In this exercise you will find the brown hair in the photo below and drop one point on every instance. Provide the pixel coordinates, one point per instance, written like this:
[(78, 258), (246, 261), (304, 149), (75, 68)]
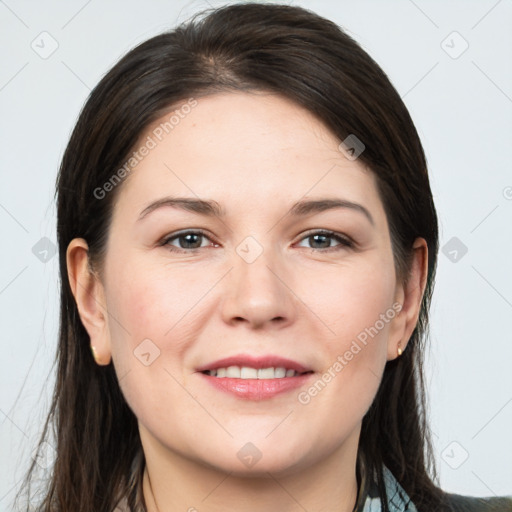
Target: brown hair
[(242, 47)]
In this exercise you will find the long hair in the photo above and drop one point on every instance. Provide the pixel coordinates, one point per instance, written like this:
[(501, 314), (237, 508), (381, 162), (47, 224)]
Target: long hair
[(308, 59)]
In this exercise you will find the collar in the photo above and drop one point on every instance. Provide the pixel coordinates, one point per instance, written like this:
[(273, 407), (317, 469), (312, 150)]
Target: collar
[(368, 499)]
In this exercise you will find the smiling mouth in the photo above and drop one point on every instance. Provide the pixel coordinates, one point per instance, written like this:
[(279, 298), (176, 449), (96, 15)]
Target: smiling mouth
[(244, 383), (247, 373)]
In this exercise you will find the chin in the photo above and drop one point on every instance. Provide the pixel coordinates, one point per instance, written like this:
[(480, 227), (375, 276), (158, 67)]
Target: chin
[(253, 459)]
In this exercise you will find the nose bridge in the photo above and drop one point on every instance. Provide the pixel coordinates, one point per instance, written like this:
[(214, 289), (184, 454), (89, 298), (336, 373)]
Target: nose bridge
[(256, 291)]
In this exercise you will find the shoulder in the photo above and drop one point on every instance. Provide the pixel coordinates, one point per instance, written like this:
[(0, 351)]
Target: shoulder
[(460, 503), (452, 502)]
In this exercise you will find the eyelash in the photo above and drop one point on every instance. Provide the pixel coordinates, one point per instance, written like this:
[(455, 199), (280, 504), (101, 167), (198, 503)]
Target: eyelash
[(344, 241)]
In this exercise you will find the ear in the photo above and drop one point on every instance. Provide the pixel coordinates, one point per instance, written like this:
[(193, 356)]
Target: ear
[(410, 296), (90, 299)]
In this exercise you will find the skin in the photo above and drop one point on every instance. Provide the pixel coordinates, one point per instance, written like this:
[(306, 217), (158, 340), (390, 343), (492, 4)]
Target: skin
[(255, 154)]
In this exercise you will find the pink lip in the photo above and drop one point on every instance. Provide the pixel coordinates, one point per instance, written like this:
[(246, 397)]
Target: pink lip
[(269, 361), (256, 389)]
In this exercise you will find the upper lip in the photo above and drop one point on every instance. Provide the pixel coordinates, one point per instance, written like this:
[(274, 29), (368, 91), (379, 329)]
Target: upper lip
[(267, 361)]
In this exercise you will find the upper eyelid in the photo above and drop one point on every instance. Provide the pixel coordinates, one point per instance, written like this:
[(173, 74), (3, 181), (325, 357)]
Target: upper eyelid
[(193, 231)]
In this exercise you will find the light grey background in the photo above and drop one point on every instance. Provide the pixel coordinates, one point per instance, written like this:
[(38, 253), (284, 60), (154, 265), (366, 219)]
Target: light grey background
[(462, 106)]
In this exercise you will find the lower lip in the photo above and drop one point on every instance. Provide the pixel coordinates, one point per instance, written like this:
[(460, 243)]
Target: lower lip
[(257, 389)]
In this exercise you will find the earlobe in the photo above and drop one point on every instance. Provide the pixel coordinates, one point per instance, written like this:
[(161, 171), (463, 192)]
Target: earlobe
[(410, 296), (89, 296)]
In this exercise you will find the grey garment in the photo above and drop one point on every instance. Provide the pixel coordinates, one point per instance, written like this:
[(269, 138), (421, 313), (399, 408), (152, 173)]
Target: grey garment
[(398, 500), (468, 504)]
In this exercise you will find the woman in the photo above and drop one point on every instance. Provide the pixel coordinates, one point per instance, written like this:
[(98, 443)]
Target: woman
[(211, 356)]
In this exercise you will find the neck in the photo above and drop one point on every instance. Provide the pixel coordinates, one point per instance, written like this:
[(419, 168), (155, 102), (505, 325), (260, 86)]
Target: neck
[(176, 483)]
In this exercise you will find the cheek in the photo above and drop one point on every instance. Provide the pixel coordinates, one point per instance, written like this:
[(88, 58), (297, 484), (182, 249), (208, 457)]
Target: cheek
[(148, 301), (154, 315), (142, 311), (357, 306), (352, 299)]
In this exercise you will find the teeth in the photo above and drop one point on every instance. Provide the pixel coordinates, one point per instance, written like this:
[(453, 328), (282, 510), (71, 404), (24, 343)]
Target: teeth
[(233, 372), (248, 373), (245, 372), (269, 373)]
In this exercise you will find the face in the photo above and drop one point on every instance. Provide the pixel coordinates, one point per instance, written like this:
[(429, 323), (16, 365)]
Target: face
[(256, 275)]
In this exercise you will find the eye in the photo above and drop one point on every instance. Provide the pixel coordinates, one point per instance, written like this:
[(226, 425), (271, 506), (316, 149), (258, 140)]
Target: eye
[(323, 240), (188, 241)]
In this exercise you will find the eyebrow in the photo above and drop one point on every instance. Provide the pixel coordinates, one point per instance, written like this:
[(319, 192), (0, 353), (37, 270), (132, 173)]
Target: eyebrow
[(213, 209)]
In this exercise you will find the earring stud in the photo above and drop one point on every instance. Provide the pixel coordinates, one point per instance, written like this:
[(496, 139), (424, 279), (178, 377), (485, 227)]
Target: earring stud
[(399, 350)]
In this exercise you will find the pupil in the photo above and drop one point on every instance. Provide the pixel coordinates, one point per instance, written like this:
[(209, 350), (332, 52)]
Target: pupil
[(188, 241), (325, 237)]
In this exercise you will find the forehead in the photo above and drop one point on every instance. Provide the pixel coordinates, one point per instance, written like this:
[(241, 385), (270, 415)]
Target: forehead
[(248, 150)]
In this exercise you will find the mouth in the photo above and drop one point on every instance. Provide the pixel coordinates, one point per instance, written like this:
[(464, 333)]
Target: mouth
[(255, 378), (245, 366), (246, 373)]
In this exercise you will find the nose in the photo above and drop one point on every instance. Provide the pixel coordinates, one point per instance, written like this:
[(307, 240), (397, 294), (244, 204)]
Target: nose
[(258, 293)]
